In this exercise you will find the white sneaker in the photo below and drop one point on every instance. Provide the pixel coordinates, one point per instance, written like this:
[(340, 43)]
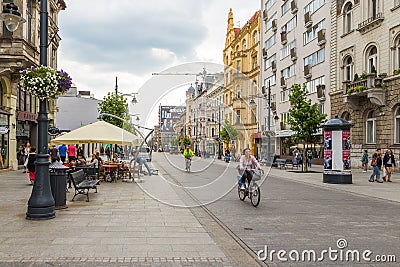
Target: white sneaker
[(364, 171)]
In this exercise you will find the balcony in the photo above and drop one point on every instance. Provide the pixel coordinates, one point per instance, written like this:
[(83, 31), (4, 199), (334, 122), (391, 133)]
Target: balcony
[(369, 87), (321, 92), (274, 26), (265, 14), (273, 65), (321, 37), (283, 38), (370, 23), (307, 20), (264, 52), (293, 7), (307, 72), (293, 54), (283, 82)]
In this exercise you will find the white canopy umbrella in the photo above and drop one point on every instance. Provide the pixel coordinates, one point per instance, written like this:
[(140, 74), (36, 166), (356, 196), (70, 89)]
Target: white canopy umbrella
[(98, 132)]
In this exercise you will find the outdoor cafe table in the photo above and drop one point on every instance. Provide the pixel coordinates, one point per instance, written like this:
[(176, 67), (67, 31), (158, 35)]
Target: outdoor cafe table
[(112, 167)]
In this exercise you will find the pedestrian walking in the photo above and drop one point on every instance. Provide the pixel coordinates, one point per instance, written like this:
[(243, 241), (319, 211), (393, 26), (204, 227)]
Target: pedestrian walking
[(63, 152), (71, 153), (26, 153), (388, 164), (54, 154), (364, 160), (31, 166), (376, 163), (309, 157)]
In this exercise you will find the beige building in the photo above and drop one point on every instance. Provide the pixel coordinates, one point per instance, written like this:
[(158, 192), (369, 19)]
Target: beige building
[(295, 37), (241, 70), (19, 50), (365, 70)]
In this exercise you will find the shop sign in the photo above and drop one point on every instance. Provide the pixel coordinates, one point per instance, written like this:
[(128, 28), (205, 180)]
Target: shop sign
[(3, 129), (26, 116), (53, 131), (22, 132)]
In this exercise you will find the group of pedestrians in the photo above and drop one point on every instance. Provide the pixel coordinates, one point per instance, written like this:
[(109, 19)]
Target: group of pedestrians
[(377, 163)]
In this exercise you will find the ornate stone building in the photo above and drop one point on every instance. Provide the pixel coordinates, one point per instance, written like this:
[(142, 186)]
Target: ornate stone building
[(365, 72), (19, 50), (242, 69)]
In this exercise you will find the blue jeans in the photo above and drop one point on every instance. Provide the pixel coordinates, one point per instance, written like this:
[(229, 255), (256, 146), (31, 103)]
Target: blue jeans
[(376, 172), (142, 161)]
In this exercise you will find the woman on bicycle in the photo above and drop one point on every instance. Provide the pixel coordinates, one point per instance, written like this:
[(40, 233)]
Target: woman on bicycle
[(247, 162)]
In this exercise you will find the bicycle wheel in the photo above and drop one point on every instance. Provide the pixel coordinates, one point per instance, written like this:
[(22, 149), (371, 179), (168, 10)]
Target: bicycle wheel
[(242, 194), (255, 195)]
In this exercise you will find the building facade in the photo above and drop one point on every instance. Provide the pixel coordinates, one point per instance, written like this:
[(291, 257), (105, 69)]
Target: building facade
[(241, 71), (365, 84), (19, 50), (295, 37)]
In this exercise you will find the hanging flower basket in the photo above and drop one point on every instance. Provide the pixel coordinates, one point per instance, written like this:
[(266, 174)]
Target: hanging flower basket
[(45, 82)]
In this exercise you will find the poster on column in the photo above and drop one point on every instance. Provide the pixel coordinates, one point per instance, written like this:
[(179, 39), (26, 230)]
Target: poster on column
[(328, 150), (346, 145)]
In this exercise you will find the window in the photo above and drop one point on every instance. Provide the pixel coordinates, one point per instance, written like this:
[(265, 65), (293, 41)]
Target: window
[(285, 95), (371, 127), (238, 91), (285, 51), (373, 8), (255, 38), (312, 85), (372, 59), (268, 61), (255, 62), (397, 126), (268, 25), (292, 23), (29, 12), (396, 51), (271, 80), (270, 42), (237, 116), (289, 71), (269, 4), (315, 58), (312, 33), (254, 87), (348, 68), (285, 7), (347, 18), (285, 117), (313, 6), (238, 66)]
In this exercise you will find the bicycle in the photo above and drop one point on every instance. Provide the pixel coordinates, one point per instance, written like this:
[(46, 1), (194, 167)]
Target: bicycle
[(188, 162), (252, 190)]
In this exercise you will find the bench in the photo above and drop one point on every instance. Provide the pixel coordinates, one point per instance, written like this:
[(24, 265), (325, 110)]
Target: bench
[(281, 163), (81, 184)]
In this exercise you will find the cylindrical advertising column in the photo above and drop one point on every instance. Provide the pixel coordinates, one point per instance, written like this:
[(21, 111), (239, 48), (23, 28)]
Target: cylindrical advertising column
[(337, 167)]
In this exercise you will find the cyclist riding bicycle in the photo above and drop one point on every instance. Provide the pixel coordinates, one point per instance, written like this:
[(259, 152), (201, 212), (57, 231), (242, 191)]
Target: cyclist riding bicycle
[(247, 162), (188, 153)]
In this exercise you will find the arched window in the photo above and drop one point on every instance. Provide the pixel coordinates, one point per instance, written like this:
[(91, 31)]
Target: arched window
[(373, 8), (348, 68), (347, 17), (371, 127), (396, 55), (372, 59), (397, 126)]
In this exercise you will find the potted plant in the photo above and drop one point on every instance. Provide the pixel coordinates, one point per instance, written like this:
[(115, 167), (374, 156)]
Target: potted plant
[(45, 82), (356, 78), (396, 72)]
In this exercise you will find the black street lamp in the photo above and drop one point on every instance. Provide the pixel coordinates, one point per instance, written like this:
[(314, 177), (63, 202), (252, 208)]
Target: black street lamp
[(133, 95), (41, 202), (11, 16)]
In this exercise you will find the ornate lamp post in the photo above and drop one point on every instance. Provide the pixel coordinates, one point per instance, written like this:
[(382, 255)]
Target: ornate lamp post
[(41, 202), (219, 132), (11, 16)]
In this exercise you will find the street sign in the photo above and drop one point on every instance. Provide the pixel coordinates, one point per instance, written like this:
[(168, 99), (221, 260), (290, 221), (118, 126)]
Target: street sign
[(3, 130), (53, 131)]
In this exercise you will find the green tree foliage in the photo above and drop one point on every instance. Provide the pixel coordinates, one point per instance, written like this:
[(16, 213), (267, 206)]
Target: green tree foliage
[(304, 118), (228, 133), (116, 105), (186, 141)]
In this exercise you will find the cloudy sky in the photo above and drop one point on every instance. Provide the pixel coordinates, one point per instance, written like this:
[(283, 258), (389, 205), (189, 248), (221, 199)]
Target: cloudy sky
[(131, 39)]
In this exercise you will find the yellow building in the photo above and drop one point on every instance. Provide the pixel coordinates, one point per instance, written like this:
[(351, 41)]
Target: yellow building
[(19, 50), (241, 72)]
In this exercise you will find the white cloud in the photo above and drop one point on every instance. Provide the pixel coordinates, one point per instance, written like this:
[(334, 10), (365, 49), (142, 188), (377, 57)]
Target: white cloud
[(131, 39)]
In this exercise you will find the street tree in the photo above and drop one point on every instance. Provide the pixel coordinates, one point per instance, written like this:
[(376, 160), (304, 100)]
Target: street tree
[(228, 133), (116, 105), (304, 117), (186, 141)]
